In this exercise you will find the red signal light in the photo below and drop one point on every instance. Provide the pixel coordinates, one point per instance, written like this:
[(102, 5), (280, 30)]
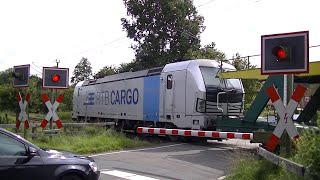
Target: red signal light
[(55, 78), (281, 53)]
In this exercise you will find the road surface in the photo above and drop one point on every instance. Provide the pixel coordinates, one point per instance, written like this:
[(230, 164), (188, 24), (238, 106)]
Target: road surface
[(174, 161)]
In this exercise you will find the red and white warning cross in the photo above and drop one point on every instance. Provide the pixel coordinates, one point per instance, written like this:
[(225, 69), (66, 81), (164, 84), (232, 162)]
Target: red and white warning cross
[(285, 114), (52, 111), (23, 114)]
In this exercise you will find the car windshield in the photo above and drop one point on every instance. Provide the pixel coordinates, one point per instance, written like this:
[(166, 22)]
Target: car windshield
[(210, 78)]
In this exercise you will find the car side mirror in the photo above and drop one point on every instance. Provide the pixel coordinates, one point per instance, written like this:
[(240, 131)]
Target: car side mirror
[(32, 152)]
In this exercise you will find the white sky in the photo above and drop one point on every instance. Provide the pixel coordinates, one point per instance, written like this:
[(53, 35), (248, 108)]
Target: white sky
[(37, 32)]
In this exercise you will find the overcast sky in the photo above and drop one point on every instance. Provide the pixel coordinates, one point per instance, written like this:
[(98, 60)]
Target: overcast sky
[(37, 32)]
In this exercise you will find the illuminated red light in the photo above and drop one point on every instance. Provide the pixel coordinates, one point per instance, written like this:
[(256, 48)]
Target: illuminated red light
[(279, 52), (55, 78)]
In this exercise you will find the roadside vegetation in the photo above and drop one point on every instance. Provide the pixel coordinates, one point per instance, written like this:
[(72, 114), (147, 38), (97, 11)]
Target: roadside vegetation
[(306, 153), (88, 141)]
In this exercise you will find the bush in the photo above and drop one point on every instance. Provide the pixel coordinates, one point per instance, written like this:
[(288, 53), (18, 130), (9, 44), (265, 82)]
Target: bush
[(65, 116), (308, 152)]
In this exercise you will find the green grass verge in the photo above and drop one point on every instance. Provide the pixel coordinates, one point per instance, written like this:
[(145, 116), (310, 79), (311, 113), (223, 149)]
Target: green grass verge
[(251, 168), (90, 141)]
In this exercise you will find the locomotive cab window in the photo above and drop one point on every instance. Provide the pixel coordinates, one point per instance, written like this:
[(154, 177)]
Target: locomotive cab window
[(169, 81), (210, 78)]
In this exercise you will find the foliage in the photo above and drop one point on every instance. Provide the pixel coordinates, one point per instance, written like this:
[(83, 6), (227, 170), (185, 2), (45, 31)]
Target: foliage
[(66, 104), (163, 30), (251, 86), (35, 103), (6, 76), (105, 71), (251, 169), (308, 152), (65, 117), (89, 141), (207, 52), (8, 100), (82, 71)]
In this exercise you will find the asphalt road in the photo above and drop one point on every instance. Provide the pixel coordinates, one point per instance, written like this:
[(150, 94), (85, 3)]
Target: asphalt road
[(174, 161)]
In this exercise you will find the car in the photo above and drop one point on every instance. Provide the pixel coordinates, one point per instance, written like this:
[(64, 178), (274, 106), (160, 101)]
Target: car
[(22, 160)]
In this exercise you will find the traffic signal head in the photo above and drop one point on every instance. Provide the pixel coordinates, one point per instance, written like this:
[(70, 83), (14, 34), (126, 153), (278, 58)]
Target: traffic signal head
[(285, 53), (55, 78), (20, 75)]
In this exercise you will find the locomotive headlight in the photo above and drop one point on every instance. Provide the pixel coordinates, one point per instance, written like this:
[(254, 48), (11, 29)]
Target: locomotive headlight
[(202, 105)]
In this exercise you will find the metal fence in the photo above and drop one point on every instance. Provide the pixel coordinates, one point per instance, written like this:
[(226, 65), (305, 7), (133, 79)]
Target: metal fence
[(287, 164)]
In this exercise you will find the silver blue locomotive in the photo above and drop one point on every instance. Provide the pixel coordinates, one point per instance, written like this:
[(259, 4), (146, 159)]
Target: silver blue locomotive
[(186, 95)]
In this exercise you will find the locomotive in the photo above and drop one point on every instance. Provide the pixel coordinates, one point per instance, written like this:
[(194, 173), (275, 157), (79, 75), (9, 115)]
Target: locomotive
[(184, 95)]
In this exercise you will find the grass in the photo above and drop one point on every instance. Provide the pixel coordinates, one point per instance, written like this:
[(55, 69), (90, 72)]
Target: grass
[(92, 140), (249, 167)]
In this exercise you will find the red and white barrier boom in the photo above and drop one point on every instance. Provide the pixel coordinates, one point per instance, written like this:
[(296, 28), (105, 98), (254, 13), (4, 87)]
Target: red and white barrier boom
[(285, 114), (195, 133), (23, 114), (52, 111)]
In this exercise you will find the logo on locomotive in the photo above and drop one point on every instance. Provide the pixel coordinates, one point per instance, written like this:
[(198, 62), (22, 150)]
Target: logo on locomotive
[(114, 97)]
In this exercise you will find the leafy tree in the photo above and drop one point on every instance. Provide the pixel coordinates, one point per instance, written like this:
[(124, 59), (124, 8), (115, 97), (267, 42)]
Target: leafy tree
[(8, 100), (6, 76), (66, 105), (207, 52), (35, 103), (163, 31), (82, 71), (251, 86), (105, 71)]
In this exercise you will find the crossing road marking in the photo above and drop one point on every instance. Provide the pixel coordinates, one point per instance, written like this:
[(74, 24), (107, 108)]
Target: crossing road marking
[(125, 175)]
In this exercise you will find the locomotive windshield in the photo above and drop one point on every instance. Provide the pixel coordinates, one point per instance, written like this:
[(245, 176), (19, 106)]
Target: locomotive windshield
[(209, 75)]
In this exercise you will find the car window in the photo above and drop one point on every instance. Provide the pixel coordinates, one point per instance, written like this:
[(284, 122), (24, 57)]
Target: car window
[(11, 147)]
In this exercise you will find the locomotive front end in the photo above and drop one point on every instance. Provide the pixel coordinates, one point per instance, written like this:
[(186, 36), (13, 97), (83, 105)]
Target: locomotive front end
[(223, 98)]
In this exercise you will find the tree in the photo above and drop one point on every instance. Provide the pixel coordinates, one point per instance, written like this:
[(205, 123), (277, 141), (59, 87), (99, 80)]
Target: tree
[(6, 76), (207, 52), (82, 71), (105, 71), (251, 86), (163, 30)]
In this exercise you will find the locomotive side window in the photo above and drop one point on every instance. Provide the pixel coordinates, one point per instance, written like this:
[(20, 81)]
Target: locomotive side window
[(169, 81)]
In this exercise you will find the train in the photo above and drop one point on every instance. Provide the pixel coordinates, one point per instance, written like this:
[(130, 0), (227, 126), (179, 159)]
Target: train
[(185, 95)]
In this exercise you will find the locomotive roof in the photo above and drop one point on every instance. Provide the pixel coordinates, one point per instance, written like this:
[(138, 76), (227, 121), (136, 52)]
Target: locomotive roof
[(155, 71)]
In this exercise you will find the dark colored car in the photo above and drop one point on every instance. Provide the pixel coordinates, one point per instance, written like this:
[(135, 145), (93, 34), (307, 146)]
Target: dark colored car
[(21, 160)]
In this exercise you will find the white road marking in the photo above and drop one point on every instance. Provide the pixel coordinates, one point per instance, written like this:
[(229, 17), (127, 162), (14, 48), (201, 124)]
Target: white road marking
[(134, 150), (222, 177), (125, 175)]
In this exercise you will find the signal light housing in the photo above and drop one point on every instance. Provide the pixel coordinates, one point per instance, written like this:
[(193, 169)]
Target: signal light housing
[(20, 75), (286, 53), (55, 78)]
